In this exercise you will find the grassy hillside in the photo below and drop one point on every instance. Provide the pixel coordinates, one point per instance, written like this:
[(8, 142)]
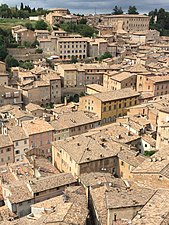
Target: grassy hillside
[(8, 23)]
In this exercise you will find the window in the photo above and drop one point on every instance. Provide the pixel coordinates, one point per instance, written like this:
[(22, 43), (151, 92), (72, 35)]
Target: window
[(37, 194), (122, 163), (104, 109), (17, 152), (109, 107), (114, 106), (8, 158), (16, 143), (145, 145), (8, 150)]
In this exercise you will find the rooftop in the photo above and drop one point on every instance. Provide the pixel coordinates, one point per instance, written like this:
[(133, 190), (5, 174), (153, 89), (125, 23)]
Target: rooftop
[(126, 15), (116, 95), (46, 183), (17, 133), (158, 79), (73, 119), (19, 192), (70, 208), (105, 198), (96, 87), (90, 147), (5, 141), (156, 211), (32, 107), (122, 76), (95, 179), (36, 126)]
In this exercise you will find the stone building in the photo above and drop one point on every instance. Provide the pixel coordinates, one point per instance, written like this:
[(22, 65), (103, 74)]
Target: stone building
[(109, 105), (6, 149), (129, 23), (10, 96), (40, 135)]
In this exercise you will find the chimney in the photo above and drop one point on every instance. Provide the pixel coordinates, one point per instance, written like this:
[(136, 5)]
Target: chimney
[(65, 100)]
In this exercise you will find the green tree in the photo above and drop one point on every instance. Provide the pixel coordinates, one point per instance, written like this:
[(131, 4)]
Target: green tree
[(159, 21), (39, 50), (75, 98), (5, 11), (26, 65), (132, 10), (21, 7), (35, 44), (82, 29), (106, 55), (117, 10), (11, 61), (3, 52), (74, 59), (83, 21), (41, 25), (29, 26)]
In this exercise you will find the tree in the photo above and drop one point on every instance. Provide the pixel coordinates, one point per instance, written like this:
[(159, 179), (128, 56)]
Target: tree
[(83, 21), (39, 50), (29, 26), (117, 10), (82, 29), (5, 11), (74, 59), (35, 44), (26, 65), (159, 21), (132, 10), (21, 7), (11, 61), (3, 52), (41, 25), (105, 56)]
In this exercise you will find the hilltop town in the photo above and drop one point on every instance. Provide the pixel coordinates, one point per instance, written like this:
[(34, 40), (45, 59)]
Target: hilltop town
[(84, 120)]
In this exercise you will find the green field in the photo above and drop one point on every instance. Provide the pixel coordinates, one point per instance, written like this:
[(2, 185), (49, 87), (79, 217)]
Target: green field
[(8, 23)]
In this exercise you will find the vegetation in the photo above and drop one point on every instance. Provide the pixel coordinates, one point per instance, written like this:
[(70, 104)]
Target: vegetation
[(83, 21), (117, 10), (74, 98), (106, 55), (132, 10), (82, 29), (29, 26), (159, 21), (26, 65), (22, 12), (149, 153), (11, 61), (39, 50), (51, 64), (41, 25), (74, 59), (6, 40)]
